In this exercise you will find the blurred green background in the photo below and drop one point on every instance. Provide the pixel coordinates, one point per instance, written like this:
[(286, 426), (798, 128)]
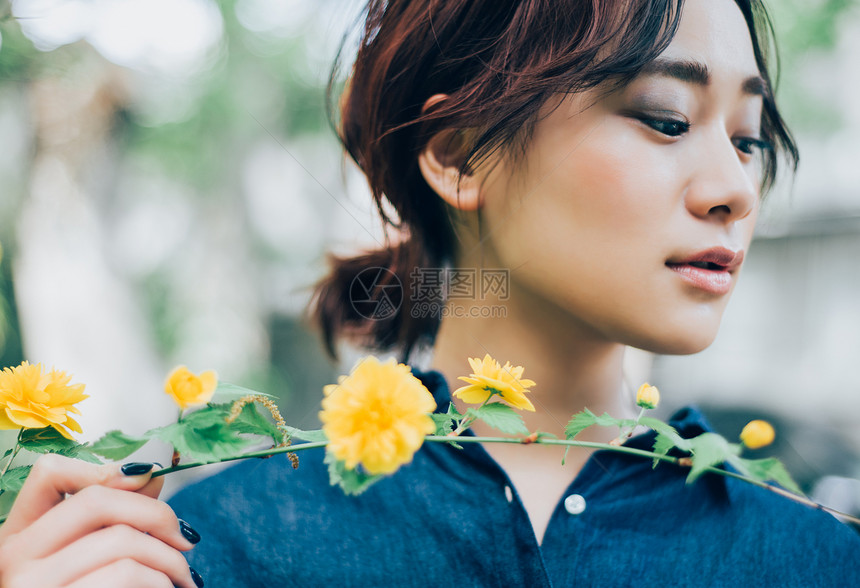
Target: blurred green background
[(169, 186)]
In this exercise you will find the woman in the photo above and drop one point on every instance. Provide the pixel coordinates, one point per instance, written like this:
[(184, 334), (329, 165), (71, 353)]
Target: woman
[(610, 157)]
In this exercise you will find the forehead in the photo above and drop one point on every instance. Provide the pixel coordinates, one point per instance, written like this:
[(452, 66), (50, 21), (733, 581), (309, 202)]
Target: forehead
[(715, 33)]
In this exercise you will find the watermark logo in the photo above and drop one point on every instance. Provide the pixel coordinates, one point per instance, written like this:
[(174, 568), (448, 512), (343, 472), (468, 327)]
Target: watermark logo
[(376, 293), (432, 287)]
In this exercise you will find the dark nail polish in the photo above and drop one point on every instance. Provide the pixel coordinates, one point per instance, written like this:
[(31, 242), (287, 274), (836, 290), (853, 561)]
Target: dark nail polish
[(198, 581), (188, 532), (136, 468)]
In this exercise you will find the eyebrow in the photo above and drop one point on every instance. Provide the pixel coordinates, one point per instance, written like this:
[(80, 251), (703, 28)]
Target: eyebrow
[(696, 72)]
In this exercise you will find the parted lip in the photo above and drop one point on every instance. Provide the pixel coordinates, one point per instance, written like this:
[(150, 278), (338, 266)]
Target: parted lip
[(715, 258)]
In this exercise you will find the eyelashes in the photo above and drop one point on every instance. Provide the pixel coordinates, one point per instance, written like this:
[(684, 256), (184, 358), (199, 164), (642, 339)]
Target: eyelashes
[(667, 126), (674, 127), (750, 145)]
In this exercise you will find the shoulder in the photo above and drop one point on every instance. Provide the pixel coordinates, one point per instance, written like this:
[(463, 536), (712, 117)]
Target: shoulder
[(774, 526)]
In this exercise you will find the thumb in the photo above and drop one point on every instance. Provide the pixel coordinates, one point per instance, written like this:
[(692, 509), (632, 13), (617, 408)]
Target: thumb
[(54, 476)]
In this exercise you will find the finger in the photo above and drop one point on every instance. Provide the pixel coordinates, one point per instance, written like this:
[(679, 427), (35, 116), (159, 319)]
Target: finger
[(126, 573), (53, 476), (93, 508), (115, 544), (153, 487)]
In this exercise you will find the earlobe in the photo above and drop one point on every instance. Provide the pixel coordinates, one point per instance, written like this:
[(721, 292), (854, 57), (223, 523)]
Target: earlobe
[(439, 163)]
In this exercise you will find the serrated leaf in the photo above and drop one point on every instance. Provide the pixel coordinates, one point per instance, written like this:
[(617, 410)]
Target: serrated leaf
[(579, 422), (607, 420), (14, 478), (667, 437), (315, 436), (83, 452), (116, 445), (767, 470), (444, 423), (252, 421), (230, 392), (501, 417), (663, 444), (197, 440), (47, 440), (352, 482), (708, 450)]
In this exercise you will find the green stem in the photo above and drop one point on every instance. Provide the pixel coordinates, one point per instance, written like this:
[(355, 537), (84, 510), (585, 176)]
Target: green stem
[(263, 453), (652, 455), (14, 453)]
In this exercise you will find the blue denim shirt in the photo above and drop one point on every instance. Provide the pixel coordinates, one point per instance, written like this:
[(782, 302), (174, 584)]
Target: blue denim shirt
[(447, 519)]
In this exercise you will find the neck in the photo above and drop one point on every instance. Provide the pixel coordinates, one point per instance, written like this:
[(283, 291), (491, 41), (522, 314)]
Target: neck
[(573, 367)]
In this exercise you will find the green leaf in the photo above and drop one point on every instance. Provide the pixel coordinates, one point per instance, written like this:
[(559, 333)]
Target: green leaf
[(579, 422), (13, 479), (252, 421), (663, 444), (607, 420), (116, 445), (352, 482), (444, 423), (83, 452), (315, 436), (205, 444), (667, 437), (500, 416), (204, 434), (709, 450), (230, 392), (767, 470), (49, 440)]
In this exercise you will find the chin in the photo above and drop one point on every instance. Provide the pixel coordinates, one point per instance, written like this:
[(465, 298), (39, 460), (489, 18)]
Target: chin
[(685, 341)]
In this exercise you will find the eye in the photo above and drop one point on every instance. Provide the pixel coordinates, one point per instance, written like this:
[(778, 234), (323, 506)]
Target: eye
[(667, 126), (750, 145)]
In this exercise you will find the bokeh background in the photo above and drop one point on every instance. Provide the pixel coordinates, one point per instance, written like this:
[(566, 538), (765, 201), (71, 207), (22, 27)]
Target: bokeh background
[(169, 187)]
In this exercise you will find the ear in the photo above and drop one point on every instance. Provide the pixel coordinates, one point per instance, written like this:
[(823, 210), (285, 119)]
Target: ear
[(440, 161)]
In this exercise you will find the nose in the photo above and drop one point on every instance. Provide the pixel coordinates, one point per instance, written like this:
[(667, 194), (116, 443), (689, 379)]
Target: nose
[(722, 188)]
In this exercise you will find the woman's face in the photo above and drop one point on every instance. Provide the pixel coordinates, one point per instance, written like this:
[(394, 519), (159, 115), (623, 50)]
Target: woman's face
[(632, 211)]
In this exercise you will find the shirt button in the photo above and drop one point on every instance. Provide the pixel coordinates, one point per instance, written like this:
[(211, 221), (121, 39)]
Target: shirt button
[(574, 504)]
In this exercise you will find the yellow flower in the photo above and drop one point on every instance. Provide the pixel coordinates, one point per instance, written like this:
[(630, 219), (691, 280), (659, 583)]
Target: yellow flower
[(648, 396), (377, 416), (188, 389), (488, 378), (32, 399), (757, 434)]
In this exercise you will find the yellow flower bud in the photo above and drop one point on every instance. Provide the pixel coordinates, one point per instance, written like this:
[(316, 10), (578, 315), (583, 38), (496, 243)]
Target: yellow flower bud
[(757, 434), (188, 389), (648, 396)]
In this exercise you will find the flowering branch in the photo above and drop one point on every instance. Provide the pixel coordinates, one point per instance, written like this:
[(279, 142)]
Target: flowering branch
[(374, 420)]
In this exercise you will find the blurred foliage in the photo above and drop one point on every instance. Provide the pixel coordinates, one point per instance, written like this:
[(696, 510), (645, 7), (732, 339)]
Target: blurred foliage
[(807, 35), (253, 86)]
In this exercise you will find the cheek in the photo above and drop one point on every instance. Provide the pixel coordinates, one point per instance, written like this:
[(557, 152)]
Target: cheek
[(611, 193)]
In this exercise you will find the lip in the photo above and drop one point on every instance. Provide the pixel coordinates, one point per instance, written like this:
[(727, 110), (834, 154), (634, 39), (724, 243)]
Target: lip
[(714, 279)]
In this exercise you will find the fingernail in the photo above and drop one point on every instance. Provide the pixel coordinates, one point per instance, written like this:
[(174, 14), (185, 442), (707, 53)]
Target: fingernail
[(136, 468), (188, 532), (198, 581)]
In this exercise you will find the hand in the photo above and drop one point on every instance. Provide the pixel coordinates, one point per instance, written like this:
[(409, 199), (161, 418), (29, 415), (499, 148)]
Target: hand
[(111, 531)]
